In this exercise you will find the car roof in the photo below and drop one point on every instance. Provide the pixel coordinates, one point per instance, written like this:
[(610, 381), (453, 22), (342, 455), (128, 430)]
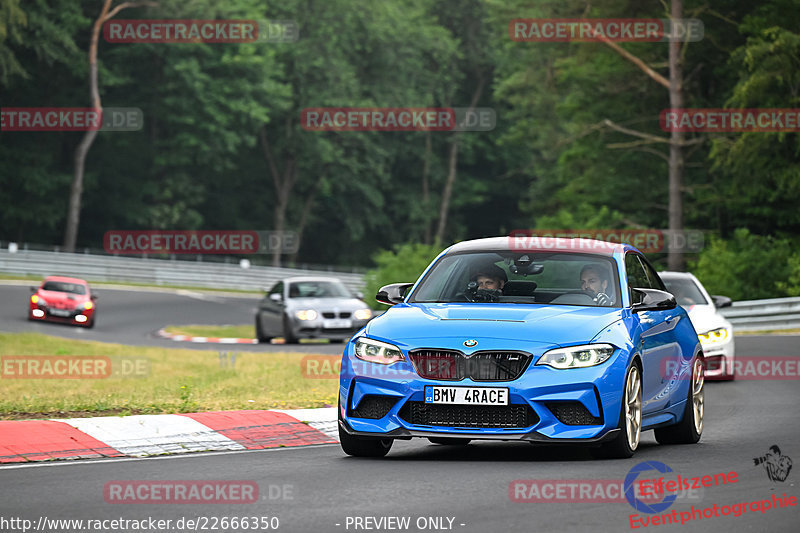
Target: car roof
[(310, 278), (525, 243), (65, 279)]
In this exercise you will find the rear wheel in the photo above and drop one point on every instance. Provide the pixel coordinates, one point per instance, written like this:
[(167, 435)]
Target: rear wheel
[(449, 441), (363, 446), (689, 429), (630, 420)]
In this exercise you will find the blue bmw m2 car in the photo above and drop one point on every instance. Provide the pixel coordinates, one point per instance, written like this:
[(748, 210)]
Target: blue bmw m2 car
[(546, 340)]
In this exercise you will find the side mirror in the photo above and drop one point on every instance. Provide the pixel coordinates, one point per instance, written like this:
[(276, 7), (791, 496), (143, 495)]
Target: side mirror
[(34, 289), (651, 300), (277, 298), (393, 294), (721, 301), (359, 295), (93, 297)]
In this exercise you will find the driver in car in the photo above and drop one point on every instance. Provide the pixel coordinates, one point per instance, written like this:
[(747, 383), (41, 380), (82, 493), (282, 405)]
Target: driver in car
[(486, 285), (491, 278), (594, 282)]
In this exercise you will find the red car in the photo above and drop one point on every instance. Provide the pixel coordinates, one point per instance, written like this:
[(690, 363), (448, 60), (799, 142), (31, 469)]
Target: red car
[(66, 300)]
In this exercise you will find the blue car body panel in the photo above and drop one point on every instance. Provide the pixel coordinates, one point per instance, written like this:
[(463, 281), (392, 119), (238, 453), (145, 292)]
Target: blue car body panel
[(664, 342)]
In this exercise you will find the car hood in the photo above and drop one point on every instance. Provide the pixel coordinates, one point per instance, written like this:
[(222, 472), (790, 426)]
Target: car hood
[(415, 324), (706, 317), (65, 300)]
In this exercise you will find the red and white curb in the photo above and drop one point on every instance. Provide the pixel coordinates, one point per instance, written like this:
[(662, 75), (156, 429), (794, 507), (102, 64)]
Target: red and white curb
[(143, 435), (216, 340)]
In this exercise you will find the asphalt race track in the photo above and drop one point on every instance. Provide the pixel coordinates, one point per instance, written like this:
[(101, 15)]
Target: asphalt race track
[(133, 317), (319, 489)]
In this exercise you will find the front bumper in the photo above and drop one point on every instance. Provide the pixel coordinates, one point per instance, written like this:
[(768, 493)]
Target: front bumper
[(533, 436), (719, 360), (579, 405), (78, 317), (315, 329)]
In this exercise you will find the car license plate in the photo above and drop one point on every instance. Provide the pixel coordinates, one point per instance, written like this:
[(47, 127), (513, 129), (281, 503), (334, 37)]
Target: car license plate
[(60, 312), (337, 323), (466, 395)]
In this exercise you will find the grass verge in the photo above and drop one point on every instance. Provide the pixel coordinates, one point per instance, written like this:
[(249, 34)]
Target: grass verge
[(241, 332), (175, 381)]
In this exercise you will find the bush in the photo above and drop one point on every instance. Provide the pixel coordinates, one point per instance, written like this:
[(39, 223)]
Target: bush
[(746, 267), (405, 263)]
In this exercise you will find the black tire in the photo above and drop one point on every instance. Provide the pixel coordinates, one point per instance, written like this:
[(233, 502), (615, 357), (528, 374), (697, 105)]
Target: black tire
[(620, 447), (260, 332), (687, 431), (449, 441), (288, 337), (90, 325), (363, 446)]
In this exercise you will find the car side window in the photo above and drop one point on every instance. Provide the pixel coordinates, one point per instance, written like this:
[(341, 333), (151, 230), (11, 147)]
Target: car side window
[(655, 280), (277, 289), (637, 277)]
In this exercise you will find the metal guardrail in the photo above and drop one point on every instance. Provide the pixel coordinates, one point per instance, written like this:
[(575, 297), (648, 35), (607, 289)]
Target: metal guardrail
[(158, 271), (759, 315)]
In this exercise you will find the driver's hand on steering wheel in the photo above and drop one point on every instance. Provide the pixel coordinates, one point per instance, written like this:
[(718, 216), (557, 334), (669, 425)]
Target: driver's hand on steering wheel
[(602, 299)]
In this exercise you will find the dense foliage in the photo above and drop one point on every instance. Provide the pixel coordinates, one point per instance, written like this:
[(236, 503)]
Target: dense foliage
[(222, 147)]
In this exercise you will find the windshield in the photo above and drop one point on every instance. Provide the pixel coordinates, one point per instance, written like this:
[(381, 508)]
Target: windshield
[(685, 291), (62, 286), (318, 289), (511, 277)]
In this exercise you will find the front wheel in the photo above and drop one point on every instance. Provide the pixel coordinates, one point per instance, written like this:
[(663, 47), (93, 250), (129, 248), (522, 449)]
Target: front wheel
[(260, 332), (288, 336), (630, 419), (689, 429)]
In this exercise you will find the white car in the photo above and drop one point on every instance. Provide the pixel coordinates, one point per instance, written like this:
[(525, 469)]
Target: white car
[(714, 330)]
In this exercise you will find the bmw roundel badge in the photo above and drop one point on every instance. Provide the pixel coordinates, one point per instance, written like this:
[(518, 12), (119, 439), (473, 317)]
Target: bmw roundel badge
[(470, 343)]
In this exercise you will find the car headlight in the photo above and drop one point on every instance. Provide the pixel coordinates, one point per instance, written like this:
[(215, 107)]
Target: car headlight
[(36, 299), (87, 306), (576, 356), (715, 336), (363, 314), (306, 314), (377, 352)]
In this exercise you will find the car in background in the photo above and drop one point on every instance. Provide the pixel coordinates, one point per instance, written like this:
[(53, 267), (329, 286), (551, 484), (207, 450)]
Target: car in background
[(500, 340), (310, 308), (65, 300), (713, 329)]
